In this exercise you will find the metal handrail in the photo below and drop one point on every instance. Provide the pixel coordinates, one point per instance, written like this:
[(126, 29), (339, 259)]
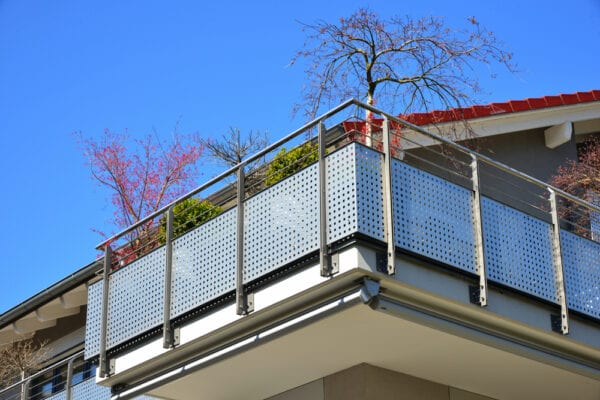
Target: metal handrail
[(321, 118), (230, 171)]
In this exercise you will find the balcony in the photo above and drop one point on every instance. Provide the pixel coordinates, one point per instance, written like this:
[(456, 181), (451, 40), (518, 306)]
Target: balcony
[(70, 378), (450, 246)]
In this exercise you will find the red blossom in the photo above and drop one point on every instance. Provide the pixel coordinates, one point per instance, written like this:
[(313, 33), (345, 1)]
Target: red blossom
[(142, 174)]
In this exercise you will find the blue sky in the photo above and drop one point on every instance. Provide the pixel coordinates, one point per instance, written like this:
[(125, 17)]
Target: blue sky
[(143, 65)]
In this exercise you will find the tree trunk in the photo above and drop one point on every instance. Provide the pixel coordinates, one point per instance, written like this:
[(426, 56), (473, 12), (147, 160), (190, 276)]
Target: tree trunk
[(369, 121)]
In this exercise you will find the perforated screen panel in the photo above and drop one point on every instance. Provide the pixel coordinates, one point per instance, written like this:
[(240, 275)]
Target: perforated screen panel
[(518, 250), (204, 263), (281, 223), (581, 266), (341, 193), (433, 217), (369, 192), (89, 390), (135, 298), (61, 396), (92, 322)]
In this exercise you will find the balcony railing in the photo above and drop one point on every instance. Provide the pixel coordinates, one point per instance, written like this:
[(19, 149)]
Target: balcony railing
[(71, 378), (380, 179)]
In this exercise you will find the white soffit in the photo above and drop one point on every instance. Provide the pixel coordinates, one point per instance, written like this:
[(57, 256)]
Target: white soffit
[(45, 316), (359, 334)]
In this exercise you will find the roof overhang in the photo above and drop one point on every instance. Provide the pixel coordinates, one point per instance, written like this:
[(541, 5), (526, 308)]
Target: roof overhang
[(42, 311), (45, 316), (584, 117)]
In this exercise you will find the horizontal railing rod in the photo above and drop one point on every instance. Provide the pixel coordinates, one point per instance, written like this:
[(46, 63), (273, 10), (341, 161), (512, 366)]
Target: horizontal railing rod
[(328, 114), (231, 170), (41, 372), (481, 157)]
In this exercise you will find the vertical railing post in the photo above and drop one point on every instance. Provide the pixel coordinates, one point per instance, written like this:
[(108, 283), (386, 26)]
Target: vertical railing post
[(168, 334), (25, 387), (69, 379), (559, 324), (324, 257), (480, 295), (103, 359), (244, 301), (388, 208)]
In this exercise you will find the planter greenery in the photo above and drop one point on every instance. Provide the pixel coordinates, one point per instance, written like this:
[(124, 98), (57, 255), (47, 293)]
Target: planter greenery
[(187, 215), (287, 163)]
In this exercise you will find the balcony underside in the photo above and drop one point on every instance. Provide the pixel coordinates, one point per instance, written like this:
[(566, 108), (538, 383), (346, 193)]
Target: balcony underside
[(398, 338), (391, 325)]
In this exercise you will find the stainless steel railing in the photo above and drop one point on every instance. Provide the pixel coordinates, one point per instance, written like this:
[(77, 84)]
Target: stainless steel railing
[(54, 381), (387, 134)]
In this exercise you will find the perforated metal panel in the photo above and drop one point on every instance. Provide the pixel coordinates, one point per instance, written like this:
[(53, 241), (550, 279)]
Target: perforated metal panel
[(135, 298), (341, 193), (433, 217), (204, 263), (92, 322), (59, 396), (518, 250), (281, 223), (89, 390), (369, 192), (581, 265)]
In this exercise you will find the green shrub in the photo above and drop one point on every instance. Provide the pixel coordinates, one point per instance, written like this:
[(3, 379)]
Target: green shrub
[(187, 215), (287, 163)]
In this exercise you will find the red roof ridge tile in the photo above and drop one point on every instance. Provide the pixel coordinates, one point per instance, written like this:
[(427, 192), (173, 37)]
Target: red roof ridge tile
[(495, 108)]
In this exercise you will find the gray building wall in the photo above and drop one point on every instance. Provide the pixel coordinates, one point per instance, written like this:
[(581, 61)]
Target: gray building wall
[(526, 151), (367, 382)]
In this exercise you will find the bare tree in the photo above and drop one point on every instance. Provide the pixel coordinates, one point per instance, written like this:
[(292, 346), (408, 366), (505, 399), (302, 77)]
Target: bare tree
[(19, 359), (400, 62), (231, 149), (581, 178)]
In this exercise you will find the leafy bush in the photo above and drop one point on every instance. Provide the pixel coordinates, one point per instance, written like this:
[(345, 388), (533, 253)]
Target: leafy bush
[(287, 163), (187, 215)]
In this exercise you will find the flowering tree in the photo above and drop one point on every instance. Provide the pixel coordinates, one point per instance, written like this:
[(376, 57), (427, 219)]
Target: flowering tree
[(143, 174), (582, 179), (414, 63)]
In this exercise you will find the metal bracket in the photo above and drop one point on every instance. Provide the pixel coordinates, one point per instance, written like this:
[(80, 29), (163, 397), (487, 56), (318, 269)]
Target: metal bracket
[(482, 290), (176, 336), (388, 208), (556, 323), (381, 262), (246, 306), (558, 266), (334, 263), (475, 294), (369, 291), (171, 337)]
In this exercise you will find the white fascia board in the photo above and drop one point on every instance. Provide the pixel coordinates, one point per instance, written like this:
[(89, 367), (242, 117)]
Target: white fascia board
[(517, 121), (266, 297)]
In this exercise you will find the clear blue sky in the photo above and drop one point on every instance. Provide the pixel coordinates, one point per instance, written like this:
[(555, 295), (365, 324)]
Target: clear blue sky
[(89, 65)]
